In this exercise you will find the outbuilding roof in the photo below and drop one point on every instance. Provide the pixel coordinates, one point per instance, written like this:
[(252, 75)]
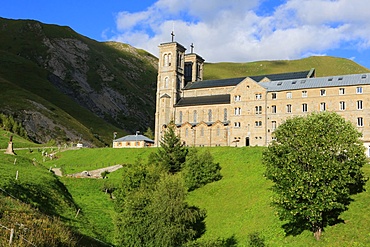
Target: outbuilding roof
[(134, 138)]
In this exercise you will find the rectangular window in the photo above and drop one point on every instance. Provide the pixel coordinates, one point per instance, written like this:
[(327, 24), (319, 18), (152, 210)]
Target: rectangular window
[(359, 104), (225, 114), (322, 92), (273, 125), (273, 96), (304, 94), (322, 106), (342, 105), (360, 122), (289, 108), (289, 95), (237, 124), (273, 109), (258, 96), (341, 91), (258, 123), (258, 110), (359, 90), (304, 107)]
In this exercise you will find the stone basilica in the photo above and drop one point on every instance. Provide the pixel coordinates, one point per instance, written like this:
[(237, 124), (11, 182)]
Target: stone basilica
[(245, 111)]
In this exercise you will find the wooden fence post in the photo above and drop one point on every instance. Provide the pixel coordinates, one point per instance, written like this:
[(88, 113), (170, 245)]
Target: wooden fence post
[(11, 236)]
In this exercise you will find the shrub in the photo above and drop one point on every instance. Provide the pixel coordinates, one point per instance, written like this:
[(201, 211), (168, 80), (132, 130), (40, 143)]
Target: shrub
[(200, 169)]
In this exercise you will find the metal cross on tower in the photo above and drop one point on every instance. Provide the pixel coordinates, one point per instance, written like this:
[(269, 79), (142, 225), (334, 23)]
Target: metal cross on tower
[(192, 47), (173, 35)]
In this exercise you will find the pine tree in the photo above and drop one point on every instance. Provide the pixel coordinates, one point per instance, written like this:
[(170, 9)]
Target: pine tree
[(171, 153)]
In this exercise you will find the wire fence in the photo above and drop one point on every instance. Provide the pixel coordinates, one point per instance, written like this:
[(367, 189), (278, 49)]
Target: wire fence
[(20, 201)]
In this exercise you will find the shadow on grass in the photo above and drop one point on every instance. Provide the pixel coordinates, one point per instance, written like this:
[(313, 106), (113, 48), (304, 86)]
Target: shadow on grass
[(51, 197), (297, 227)]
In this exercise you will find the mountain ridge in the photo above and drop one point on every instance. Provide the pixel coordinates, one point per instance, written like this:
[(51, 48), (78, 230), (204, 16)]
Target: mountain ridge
[(66, 87)]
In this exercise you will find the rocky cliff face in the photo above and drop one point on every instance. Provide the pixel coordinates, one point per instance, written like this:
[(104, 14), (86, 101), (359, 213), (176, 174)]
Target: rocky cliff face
[(113, 81)]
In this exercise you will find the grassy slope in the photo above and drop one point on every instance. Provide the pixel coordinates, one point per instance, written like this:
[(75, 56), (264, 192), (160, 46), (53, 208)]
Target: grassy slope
[(18, 142), (324, 66), (236, 205)]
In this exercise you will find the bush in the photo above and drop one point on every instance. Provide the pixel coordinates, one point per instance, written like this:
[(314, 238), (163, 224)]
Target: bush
[(255, 240), (200, 169)]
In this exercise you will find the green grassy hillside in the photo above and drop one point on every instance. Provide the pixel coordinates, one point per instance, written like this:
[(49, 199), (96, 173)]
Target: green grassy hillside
[(324, 66), (237, 205)]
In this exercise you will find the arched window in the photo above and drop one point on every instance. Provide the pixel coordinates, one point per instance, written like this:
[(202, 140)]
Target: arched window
[(195, 116), (169, 59), (209, 115), (166, 82), (180, 117), (165, 60), (225, 115)]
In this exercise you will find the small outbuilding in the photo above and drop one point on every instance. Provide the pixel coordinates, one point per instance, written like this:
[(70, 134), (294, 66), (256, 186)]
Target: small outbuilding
[(133, 141)]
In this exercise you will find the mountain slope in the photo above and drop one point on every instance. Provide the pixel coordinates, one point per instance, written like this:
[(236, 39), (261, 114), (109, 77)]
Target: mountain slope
[(61, 85), (104, 87), (324, 65)]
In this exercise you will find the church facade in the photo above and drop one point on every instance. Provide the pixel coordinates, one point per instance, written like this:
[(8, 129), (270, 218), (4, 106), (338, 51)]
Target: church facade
[(245, 111)]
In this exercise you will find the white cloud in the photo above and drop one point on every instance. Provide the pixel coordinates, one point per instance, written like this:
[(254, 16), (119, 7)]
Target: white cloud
[(232, 31)]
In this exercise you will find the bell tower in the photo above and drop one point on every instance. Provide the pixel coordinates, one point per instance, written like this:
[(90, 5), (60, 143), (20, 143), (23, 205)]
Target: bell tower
[(193, 67), (169, 84)]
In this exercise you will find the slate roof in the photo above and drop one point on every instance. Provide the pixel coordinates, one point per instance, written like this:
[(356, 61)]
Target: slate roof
[(134, 138), (285, 76), (214, 83), (204, 100), (319, 82), (236, 81)]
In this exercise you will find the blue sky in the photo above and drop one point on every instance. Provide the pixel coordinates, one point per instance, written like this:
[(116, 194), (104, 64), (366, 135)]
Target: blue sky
[(232, 31)]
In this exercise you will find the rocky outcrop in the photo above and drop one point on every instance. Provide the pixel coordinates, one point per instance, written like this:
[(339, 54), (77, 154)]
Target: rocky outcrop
[(114, 81)]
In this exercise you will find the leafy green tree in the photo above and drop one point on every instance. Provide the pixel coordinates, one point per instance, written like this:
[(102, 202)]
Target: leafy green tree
[(152, 210), (149, 133), (171, 153), (200, 169), (315, 164)]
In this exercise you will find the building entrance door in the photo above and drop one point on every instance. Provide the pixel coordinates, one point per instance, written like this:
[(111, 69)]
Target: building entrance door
[(247, 141)]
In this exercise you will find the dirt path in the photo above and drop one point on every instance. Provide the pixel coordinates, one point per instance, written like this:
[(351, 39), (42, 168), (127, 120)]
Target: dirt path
[(57, 172), (96, 173)]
